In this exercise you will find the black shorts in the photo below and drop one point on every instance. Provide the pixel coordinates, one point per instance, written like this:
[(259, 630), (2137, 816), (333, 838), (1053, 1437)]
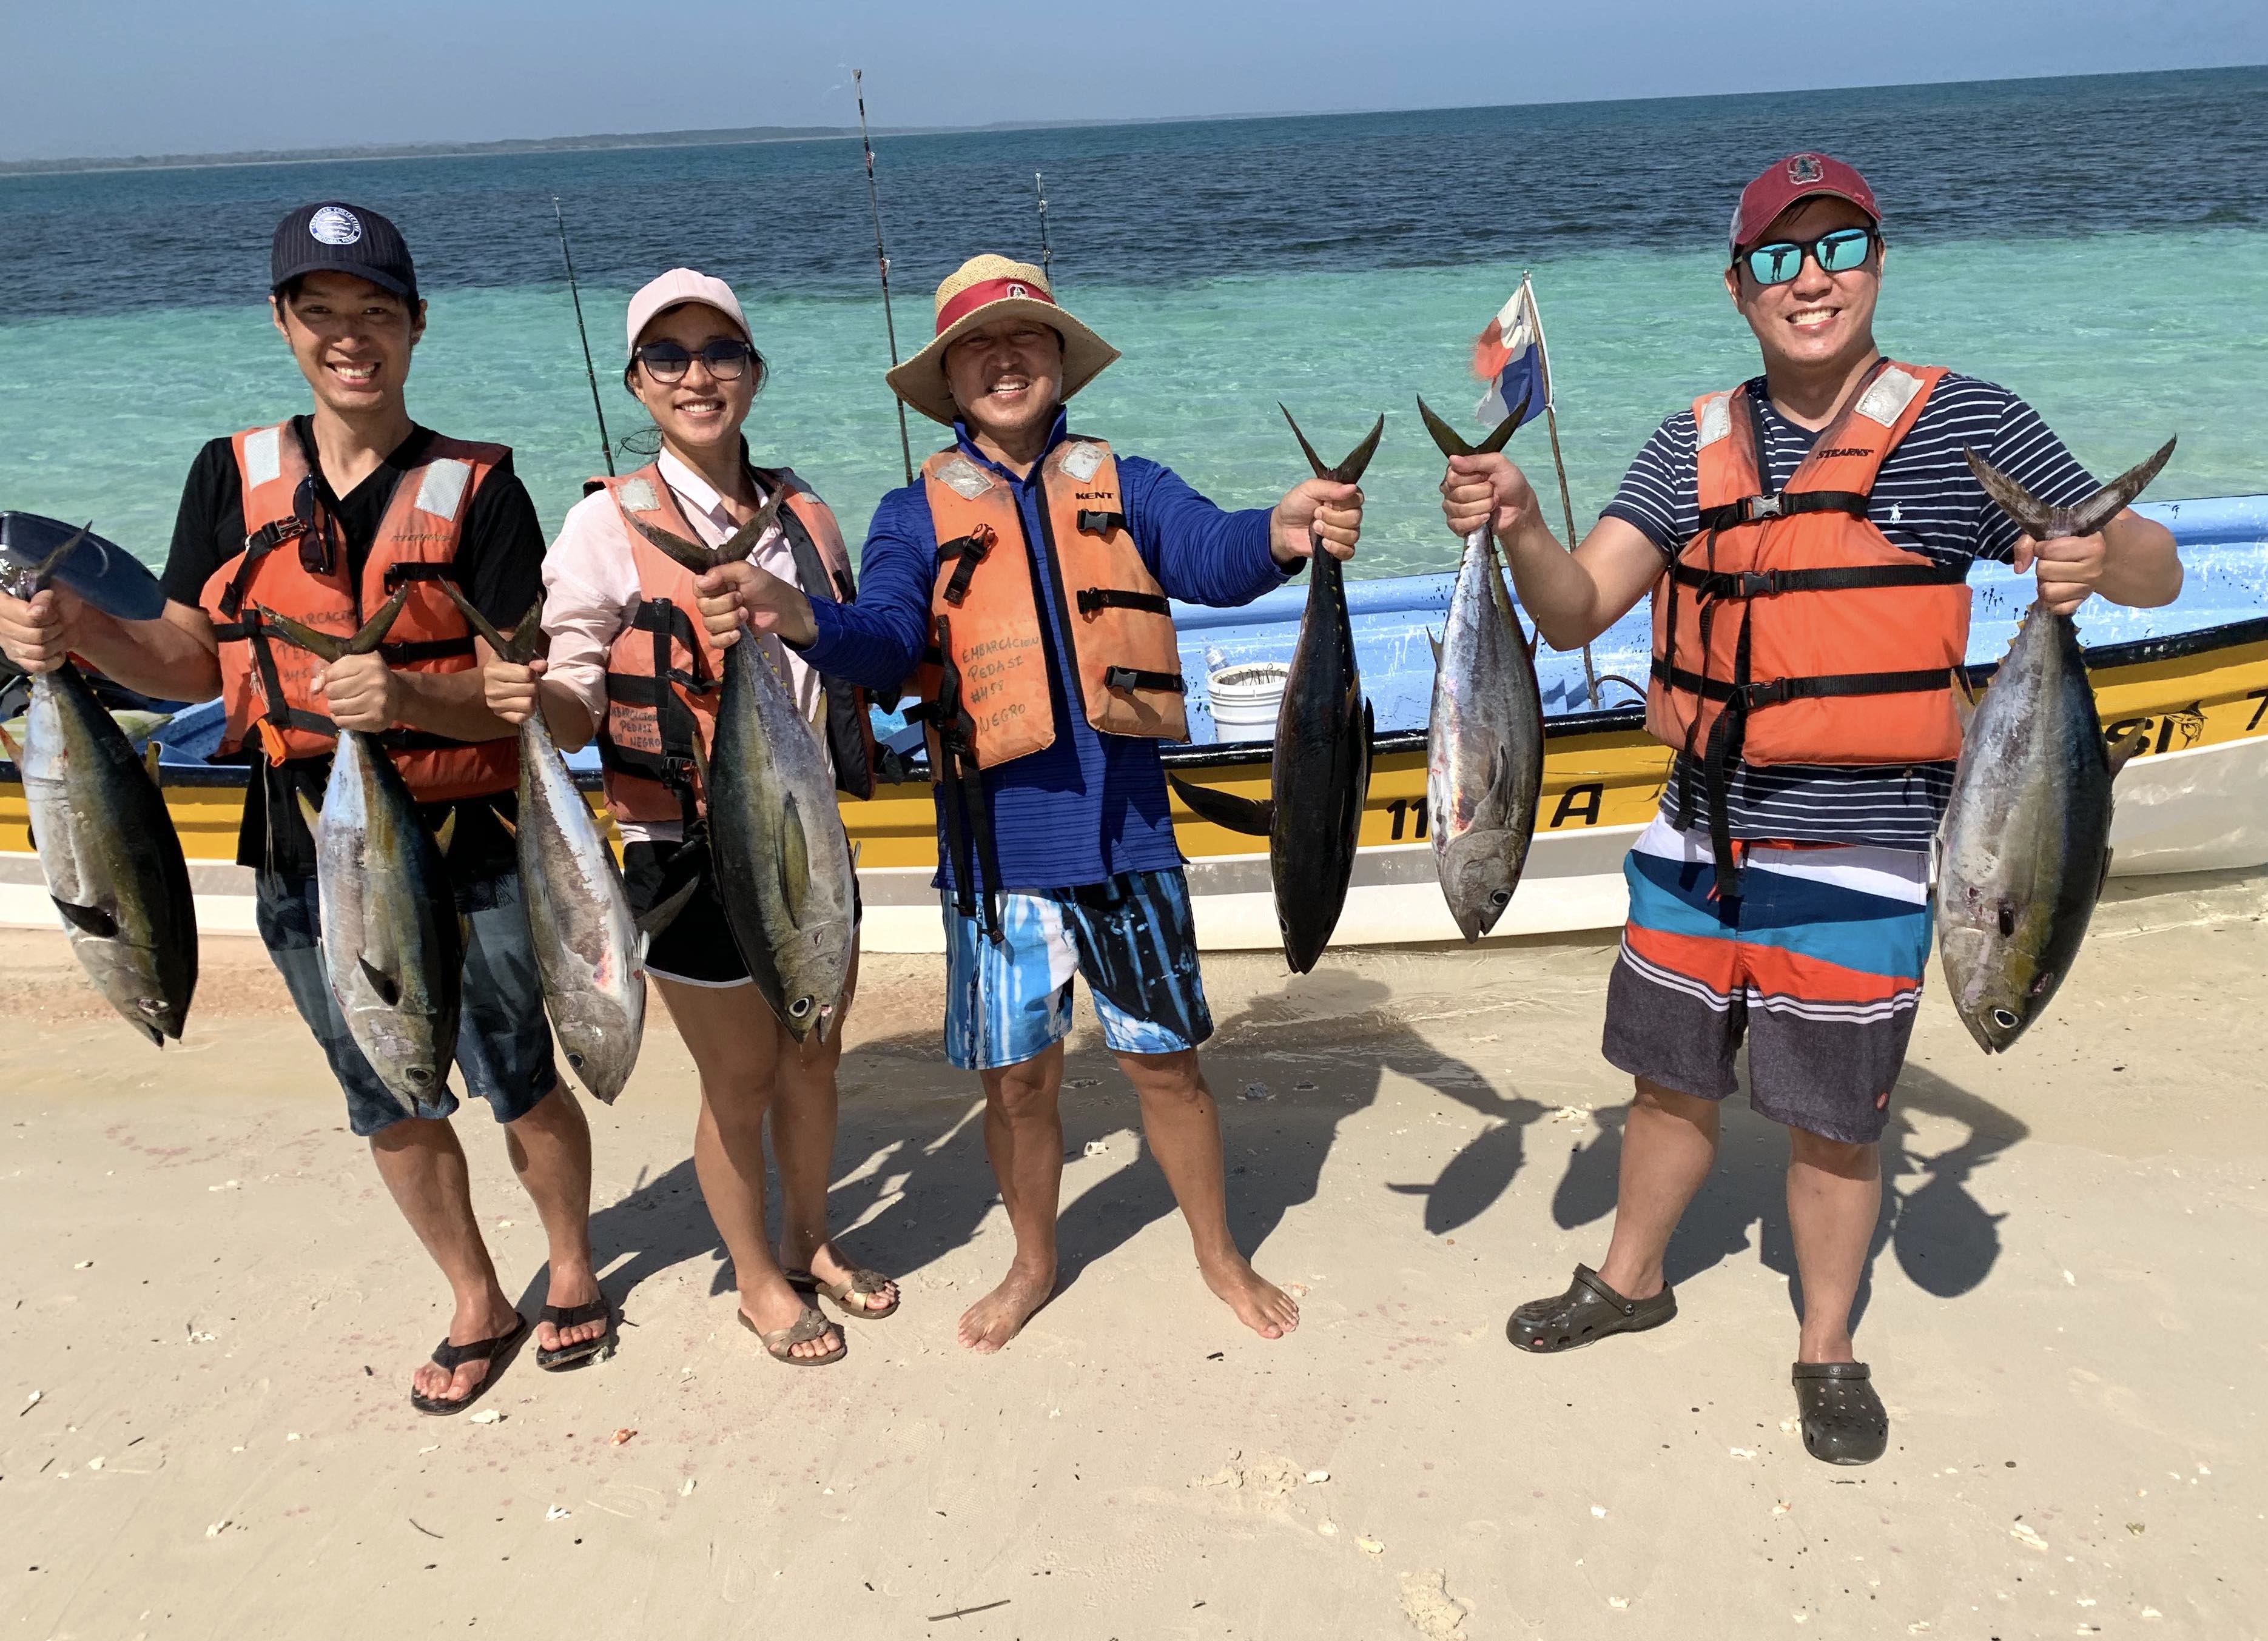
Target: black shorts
[(697, 948)]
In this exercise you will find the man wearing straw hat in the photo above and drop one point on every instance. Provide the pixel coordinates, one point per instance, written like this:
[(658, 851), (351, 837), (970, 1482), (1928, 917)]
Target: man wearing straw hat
[(1027, 575)]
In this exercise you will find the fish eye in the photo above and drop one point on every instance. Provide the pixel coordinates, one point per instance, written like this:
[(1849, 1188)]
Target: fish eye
[(1501, 898), (575, 1061), (151, 1006), (800, 1007), (419, 1075), (2005, 1020)]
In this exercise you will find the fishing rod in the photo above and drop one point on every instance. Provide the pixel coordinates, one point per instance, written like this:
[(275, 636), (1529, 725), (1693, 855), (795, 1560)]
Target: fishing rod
[(606, 444), (882, 262), (1047, 256)]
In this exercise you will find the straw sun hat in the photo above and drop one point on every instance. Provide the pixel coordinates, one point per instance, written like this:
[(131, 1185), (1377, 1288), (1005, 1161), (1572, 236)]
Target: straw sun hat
[(985, 289)]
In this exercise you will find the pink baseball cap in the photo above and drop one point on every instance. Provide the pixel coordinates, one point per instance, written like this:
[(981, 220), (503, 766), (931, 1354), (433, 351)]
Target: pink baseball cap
[(681, 285), (1798, 177)]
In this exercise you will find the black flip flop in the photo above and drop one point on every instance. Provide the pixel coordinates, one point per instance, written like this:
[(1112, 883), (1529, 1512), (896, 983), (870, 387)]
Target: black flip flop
[(1587, 1312), (496, 1352), (568, 1355), (1843, 1422)]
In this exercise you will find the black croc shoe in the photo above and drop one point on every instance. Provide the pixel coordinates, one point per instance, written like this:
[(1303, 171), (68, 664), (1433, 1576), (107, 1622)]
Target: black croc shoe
[(1842, 1418), (1588, 1311)]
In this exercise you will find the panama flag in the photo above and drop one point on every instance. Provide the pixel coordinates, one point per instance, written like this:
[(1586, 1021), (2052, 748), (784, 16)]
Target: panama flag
[(1508, 356)]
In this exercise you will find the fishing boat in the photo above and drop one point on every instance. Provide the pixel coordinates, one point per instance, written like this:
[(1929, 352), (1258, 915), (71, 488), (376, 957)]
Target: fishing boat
[(2193, 678)]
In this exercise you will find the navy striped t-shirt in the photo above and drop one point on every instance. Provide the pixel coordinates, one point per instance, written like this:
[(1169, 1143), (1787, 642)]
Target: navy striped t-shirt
[(1924, 500)]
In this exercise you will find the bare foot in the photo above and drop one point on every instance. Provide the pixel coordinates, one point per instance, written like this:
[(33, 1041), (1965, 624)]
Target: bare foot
[(492, 1318), (1001, 1314), (1259, 1303), (570, 1286), (772, 1305)]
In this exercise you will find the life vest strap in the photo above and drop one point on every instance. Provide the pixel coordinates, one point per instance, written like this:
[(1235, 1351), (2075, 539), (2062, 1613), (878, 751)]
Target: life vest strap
[(971, 550), (1773, 691), (1134, 678), (398, 576), (1094, 601), (967, 812), (1749, 584), (1091, 522), (1757, 509)]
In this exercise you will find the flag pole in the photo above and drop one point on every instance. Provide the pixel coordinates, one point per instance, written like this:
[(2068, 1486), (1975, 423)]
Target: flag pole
[(1559, 466), (882, 260)]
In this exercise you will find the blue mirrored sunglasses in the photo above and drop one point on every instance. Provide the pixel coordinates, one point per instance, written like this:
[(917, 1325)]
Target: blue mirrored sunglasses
[(1836, 252)]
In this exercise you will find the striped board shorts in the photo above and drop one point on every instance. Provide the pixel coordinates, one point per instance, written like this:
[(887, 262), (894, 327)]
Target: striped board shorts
[(1817, 962), (1132, 937)]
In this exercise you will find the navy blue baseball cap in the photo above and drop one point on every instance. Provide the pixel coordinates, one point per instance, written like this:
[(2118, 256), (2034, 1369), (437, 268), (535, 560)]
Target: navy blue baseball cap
[(332, 237)]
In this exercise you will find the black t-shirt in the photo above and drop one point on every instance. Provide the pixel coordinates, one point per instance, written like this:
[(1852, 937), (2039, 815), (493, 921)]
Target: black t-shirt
[(500, 568)]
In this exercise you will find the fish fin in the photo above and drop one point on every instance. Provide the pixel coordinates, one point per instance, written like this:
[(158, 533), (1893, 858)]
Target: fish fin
[(32, 579), (2114, 497), (510, 827), (8, 745), (388, 989), (308, 812), (698, 559), (794, 860), (855, 851), (701, 765), (2126, 748), (324, 645), (2103, 882), (1256, 816), (152, 755), (1452, 443), (743, 541), (88, 919), (1436, 644), (660, 914), (1350, 470), (516, 646), (374, 630), (447, 835)]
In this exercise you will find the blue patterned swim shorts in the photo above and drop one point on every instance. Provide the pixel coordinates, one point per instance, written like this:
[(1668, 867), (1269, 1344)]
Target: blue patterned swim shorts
[(1131, 937)]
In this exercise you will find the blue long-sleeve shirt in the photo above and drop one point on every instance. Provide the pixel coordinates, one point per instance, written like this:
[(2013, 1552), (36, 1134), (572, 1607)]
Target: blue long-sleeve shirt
[(1090, 805)]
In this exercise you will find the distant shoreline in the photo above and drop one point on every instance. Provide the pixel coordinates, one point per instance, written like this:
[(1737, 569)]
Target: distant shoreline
[(603, 142)]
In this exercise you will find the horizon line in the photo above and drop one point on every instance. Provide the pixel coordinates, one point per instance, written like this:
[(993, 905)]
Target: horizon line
[(615, 142)]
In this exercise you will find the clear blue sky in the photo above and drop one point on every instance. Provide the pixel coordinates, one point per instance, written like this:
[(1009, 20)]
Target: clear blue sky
[(126, 77)]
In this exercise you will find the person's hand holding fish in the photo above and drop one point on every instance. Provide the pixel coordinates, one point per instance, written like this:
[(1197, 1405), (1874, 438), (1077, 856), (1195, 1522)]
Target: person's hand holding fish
[(363, 693), (1316, 510), (1486, 487), (36, 634), (737, 594), (509, 688), (2070, 568)]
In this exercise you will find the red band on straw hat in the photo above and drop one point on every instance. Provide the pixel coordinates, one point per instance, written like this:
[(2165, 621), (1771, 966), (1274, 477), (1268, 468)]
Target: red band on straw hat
[(991, 290)]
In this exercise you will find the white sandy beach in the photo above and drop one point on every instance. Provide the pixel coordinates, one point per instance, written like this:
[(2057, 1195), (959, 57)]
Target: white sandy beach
[(218, 1311)]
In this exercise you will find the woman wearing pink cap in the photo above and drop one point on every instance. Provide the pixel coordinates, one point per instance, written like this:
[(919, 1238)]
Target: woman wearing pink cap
[(630, 665)]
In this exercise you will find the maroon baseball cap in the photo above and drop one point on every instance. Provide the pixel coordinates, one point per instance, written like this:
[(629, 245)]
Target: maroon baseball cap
[(1798, 177)]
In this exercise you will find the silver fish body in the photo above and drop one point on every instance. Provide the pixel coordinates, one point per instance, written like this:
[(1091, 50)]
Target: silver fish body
[(2026, 843), (587, 947), (781, 857), (1483, 746), (2025, 847), (111, 857), (392, 940)]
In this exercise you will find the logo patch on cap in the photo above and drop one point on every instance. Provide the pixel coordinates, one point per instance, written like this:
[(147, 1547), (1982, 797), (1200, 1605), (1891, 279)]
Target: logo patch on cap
[(1805, 169), (335, 225)]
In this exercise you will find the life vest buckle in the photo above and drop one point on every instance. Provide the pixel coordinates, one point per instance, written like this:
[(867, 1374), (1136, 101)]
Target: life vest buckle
[(1133, 678), (1771, 693), (972, 550), (1762, 507), (1094, 522)]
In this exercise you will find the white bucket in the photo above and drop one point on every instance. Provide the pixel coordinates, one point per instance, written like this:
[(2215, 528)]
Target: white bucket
[(1245, 699)]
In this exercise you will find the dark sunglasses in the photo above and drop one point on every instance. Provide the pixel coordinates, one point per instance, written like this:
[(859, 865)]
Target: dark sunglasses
[(318, 531), (1836, 252), (667, 362)]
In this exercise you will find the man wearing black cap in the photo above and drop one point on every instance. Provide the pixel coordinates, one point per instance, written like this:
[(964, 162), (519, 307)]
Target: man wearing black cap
[(324, 517), (1806, 537)]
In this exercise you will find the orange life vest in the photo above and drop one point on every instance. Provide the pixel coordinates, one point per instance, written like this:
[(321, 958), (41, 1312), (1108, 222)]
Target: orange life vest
[(985, 692), (265, 679), (1790, 630), (646, 745)]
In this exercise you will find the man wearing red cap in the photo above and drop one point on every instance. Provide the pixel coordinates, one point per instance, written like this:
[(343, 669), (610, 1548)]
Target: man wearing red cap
[(1028, 575), (1805, 537)]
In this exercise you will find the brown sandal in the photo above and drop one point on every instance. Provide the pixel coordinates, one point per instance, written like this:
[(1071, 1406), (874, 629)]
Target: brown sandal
[(862, 1283), (781, 1341)]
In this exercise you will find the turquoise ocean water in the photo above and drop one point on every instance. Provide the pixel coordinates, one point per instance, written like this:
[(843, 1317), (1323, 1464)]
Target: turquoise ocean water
[(1340, 265)]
